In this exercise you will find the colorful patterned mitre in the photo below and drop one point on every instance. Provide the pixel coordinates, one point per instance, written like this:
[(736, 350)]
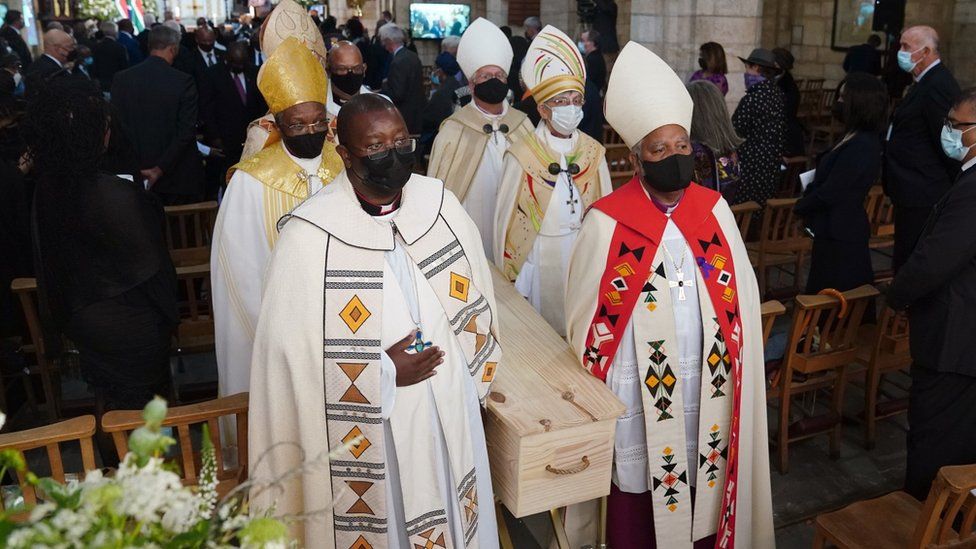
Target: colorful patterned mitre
[(644, 94), (483, 44), (553, 65), (292, 76), (288, 20)]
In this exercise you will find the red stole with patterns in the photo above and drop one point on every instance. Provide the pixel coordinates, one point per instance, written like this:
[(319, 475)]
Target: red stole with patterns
[(633, 246)]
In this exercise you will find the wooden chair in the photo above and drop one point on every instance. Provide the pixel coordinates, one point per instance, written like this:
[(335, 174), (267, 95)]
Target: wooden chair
[(119, 423), (789, 183), (881, 217), (611, 137), (813, 84), (195, 334), (821, 344), (770, 311), (809, 104), (189, 231), (899, 520), (823, 127), (50, 437), (883, 349), (782, 242), (26, 291), (744, 213), (618, 161)]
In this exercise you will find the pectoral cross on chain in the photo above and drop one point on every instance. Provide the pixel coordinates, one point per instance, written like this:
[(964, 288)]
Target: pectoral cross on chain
[(573, 201), (681, 284)]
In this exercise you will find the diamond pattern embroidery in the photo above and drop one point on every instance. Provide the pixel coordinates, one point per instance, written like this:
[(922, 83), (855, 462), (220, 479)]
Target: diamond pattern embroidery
[(470, 504), (672, 479), (353, 394), (354, 314), (358, 448), (459, 287), (660, 380), (360, 487), (709, 460)]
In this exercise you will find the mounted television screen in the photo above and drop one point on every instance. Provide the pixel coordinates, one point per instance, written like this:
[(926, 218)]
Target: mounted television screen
[(436, 21)]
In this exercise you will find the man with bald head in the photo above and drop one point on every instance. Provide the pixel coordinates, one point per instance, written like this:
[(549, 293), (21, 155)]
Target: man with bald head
[(346, 73), (383, 274), (917, 173), (58, 48)]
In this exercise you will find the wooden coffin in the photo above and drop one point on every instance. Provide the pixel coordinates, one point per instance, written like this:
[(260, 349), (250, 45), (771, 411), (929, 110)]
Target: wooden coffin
[(551, 424)]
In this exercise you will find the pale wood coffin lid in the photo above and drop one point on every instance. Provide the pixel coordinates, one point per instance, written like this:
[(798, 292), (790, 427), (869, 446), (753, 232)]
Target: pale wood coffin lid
[(539, 371)]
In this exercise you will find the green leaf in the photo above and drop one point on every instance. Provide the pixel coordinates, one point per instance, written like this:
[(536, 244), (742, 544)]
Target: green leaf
[(194, 537)]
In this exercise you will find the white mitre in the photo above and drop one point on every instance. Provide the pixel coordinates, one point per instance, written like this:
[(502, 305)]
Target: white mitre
[(483, 44), (287, 20), (552, 65), (644, 94)]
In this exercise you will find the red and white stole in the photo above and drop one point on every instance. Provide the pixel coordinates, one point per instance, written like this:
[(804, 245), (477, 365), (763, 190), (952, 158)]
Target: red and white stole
[(627, 283)]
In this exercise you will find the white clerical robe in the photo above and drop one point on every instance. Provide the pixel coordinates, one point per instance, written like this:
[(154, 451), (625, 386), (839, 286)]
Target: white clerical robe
[(630, 472), (287, 426), (240, 251), (483, 193), (402, 302), (542, 280)]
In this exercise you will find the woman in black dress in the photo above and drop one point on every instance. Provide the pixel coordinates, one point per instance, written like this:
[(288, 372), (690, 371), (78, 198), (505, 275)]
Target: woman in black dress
[(833, 204), (104, 274), (791, 102), (760, 120)]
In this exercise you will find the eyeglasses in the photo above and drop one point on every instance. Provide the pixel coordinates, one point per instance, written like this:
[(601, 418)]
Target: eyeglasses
[(303, 129), (563, 102), (484, 77), (379, 151), (950, 125), (342, 71)]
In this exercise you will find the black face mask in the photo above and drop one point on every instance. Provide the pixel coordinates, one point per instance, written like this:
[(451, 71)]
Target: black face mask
[(671, 174), (348, 83), (235, 69), (387, 175), (701, 63), (308, 145), (491, 91)]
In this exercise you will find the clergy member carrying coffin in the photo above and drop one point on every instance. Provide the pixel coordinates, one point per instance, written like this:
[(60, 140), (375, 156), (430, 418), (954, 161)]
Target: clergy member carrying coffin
[(550, 178), (662, 305), (467, 153), (383, 274), (263, 188)]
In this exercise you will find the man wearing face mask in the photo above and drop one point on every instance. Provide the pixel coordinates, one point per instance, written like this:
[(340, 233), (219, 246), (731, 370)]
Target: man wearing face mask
[(383, 274), (346, 73), (288, 20), (916, 172), (937, 285), (468, 152), (663, 306), (551, 178), (261, 189)]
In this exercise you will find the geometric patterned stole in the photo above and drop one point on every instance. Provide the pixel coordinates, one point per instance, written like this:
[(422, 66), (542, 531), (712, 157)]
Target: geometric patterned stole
[(535, 191), (352, 327), (626, 284)]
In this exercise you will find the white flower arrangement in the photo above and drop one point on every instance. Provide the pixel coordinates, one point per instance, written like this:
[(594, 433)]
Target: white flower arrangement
[(144, 503)]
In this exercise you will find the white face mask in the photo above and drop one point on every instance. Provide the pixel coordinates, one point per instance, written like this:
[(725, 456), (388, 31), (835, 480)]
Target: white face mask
[(566, 118), (17, 78)]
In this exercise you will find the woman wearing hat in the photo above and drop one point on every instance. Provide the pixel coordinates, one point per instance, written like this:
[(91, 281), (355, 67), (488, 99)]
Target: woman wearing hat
[(760, 120)]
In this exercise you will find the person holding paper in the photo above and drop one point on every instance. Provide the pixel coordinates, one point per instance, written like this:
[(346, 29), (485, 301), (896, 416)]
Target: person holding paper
[(833, 204)]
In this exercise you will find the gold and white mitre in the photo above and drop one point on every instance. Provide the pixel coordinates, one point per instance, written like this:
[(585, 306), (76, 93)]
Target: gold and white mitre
[(483, 44), (291, 76), (644, 94), (553, 65)]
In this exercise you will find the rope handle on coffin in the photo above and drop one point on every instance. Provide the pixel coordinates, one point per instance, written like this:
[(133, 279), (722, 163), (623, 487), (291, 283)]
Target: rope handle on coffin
[(585, 463)]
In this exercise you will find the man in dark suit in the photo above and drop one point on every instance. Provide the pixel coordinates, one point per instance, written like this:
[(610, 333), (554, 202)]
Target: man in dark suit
[(128, 40), (917, 173), (938, 286), (109, 56), (13, 22), (865, 57), (229, 100), (197, 60), (157, 106), (404, 84), (596, 81), (58, 48), (83, 63)]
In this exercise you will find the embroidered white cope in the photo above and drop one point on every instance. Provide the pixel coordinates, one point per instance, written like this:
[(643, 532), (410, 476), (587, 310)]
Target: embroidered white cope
[(481, 197)]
